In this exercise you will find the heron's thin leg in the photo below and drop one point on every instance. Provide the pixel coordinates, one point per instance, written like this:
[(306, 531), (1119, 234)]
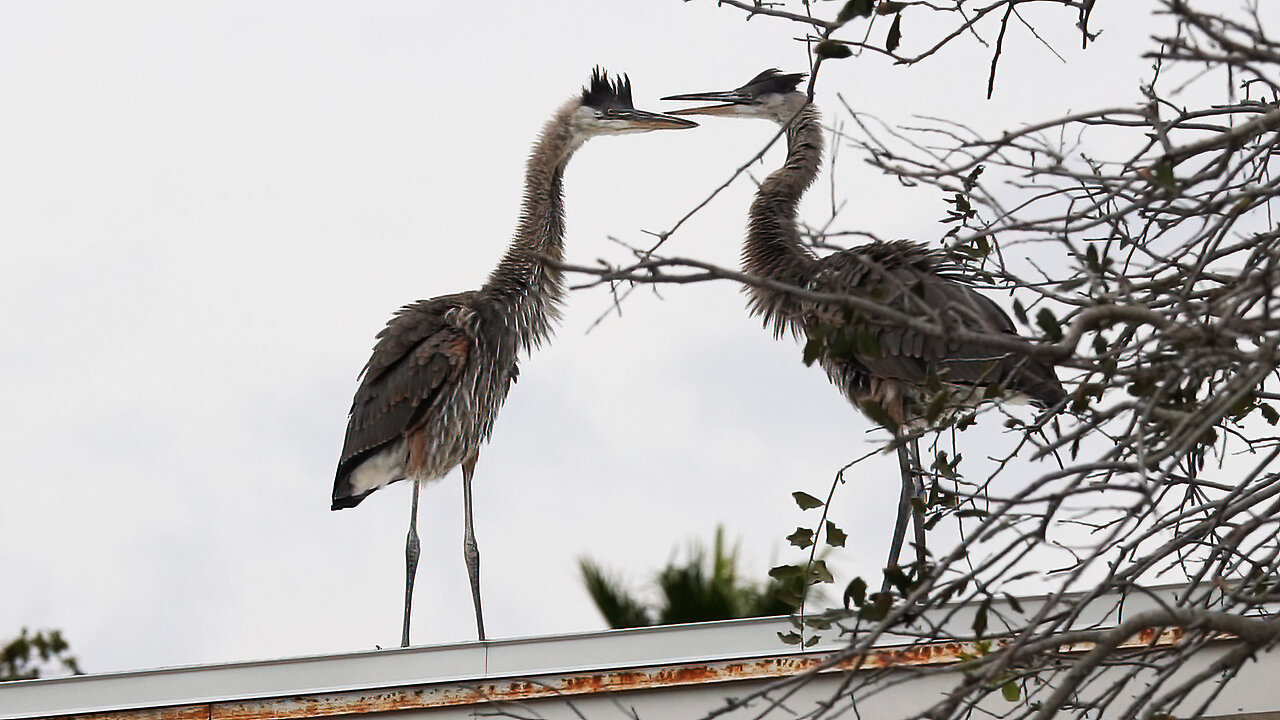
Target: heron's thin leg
[(471, 551), (917, 508), (904, 511), (411, 550)]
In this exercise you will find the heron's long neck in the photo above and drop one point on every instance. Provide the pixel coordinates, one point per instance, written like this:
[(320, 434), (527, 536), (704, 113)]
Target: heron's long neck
[(773, 248), (524, 282)]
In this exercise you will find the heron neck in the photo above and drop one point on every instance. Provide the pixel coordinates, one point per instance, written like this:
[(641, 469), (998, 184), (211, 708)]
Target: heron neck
[(773, 249), (526, 281)]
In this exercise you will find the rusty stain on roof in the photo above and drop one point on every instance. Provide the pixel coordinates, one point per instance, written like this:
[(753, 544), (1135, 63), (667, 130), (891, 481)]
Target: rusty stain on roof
[(583, 683)]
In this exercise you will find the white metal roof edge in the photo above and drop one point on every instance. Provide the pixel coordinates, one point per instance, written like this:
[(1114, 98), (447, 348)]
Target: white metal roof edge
[(430, 664), (435, 664)]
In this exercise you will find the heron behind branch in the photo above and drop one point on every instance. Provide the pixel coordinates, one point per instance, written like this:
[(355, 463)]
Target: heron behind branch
[(442, 367), (892, 373)]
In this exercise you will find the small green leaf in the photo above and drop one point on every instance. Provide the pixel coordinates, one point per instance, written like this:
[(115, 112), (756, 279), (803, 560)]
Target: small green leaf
[(853, 9), (785, 572), (1013, 603), (878, 608), (971, 179), (805, 500), (791, 638), (895, 34), (980, 617), (801, 538), (1162, 174), (936, 406), (917, 504), (1100, 344), (1011, 691), (835, 536), (1241, 407), (832, 49), (855, 591), (819, 573), (1049, 324), (812, 641), (1269, 413), (1020, 312), (897, 579)]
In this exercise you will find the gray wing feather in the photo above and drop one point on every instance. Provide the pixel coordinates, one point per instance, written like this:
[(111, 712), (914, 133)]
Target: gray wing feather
[(418, 354), (908, 277)]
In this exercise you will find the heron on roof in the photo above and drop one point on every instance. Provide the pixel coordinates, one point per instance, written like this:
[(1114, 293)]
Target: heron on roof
[(892, 371), (441, 368)]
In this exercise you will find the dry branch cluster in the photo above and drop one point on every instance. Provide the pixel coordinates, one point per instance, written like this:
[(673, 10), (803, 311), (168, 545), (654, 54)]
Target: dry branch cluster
[(1141, 247)]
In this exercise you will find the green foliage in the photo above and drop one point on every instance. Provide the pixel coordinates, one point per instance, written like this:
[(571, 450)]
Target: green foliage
[(619, 608), (895, 34), (701, 589), (853, 9), (832, 49), (1020, 312), (835, 536), (980, 617), (801, 538), (27, 656), (1162, 175), (1049, 324), (806, 501), (856, 593)]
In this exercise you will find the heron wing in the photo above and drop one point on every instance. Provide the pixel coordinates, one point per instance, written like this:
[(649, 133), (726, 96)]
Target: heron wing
[(418, 356), (907, 277)]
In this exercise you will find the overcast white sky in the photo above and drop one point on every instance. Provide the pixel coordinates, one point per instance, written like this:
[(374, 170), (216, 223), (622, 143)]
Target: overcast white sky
[(208, 209)]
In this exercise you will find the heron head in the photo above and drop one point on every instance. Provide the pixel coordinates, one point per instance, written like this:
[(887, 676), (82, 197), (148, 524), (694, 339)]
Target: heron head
[(606, 109), (773, 95)]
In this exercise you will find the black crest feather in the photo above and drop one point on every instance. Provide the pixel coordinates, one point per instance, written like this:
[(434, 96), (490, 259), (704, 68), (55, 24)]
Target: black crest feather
[(605, 93), (773, 80)]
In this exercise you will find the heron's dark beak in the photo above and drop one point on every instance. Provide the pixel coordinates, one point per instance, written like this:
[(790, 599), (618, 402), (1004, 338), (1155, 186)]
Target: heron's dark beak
[(645, 120), (727, 102)]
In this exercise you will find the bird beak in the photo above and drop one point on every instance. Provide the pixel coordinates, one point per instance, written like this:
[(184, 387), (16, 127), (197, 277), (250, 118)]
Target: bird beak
[(727, 103), (645, 120)]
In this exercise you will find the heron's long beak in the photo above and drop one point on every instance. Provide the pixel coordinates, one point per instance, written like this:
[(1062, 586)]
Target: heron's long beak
[(645, 120), (728, 102)]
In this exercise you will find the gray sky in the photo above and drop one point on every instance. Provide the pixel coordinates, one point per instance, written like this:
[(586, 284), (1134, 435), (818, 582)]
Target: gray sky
[(208, 209)]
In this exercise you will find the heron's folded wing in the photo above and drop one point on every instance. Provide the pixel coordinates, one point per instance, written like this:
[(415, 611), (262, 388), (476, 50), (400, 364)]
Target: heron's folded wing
[(418, 355)]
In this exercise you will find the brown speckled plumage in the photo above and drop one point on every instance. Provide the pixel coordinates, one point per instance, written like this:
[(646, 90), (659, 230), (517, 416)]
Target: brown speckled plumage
[(442, 367)]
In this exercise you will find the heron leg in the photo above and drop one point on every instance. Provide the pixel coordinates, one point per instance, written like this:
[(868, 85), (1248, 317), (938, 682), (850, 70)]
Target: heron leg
[(411, 552), (904, 511), (471, 551), (917, 489)]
